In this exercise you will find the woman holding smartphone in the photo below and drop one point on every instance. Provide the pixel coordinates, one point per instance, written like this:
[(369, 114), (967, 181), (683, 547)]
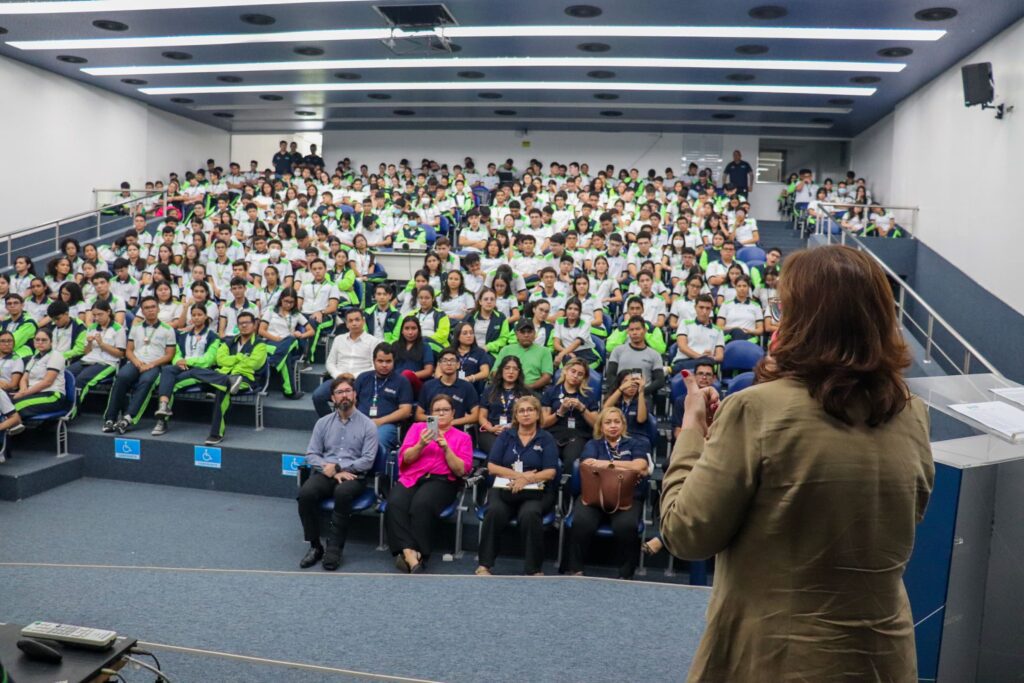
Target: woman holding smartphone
[(432, 462)]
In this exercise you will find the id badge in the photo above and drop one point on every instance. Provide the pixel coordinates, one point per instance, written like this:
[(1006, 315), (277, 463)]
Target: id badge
[(373, 411), (517, 466), (503, 420), (462, 374), (571, 423)]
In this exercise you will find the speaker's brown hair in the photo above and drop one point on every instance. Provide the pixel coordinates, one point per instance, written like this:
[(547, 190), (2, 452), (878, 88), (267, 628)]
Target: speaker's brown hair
[(838, 335)]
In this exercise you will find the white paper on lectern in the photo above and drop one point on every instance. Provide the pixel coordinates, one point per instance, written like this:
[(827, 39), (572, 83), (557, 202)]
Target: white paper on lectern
[(1015, 394), (996, 415)]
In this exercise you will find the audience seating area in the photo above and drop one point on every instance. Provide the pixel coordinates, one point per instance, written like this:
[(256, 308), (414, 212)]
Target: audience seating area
[(578, 252)]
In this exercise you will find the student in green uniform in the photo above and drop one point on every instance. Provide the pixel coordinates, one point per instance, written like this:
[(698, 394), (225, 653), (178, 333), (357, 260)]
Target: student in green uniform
[(20, 325)]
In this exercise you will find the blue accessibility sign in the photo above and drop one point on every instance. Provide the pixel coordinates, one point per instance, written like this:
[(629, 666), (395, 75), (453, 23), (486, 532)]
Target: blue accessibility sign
[(127, 449), (290, 464), (207, 457)]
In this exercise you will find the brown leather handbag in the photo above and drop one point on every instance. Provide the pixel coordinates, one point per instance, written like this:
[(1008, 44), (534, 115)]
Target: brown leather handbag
[(609, 488)]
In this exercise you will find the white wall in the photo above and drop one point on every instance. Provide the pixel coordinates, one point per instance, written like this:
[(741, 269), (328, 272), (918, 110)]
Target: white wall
[(960, 166), (59, 132), (263, 147), (625, 150), (871, 155)]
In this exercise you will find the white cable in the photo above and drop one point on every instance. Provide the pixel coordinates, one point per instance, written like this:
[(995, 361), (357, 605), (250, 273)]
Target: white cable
[(146, 665)]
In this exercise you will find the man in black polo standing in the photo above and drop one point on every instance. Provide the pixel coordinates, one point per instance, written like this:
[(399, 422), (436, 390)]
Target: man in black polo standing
[(740, 174)]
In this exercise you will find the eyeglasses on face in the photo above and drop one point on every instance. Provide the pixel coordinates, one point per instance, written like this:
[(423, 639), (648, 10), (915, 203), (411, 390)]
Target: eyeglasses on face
[(441, 410), (346, 390)]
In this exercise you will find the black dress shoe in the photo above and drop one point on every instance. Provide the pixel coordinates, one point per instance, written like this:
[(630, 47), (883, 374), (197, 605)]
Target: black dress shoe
[(332, 558), (312, 557)]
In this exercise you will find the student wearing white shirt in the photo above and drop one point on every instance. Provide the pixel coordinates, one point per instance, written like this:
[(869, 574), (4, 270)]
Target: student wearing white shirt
[(698, 340), (318, 301), (350, 354), (718, 271), (105, 342), (456, 302), (743, 317), (41, 388), (284, 328), (654, 306), (571, 336), (527, 264)]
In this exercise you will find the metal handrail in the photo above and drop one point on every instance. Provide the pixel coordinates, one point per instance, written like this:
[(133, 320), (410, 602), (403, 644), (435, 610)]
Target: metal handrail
[(55, 225), (933, 315), (912, 209)]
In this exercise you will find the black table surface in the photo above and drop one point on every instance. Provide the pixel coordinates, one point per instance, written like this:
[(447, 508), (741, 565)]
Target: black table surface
[(79, 665)]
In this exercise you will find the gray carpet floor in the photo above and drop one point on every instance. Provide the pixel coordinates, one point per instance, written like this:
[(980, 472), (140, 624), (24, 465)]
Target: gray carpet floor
[(248, 597)]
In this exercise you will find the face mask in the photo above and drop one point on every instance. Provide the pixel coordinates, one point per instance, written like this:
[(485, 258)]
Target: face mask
[(841, 191), (275, 252), (677, 243)]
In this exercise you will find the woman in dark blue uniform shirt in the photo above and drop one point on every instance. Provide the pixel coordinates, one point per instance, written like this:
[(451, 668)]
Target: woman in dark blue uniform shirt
[(524, 462), (497, 400), (474, 362), (569, 410), (610, 443), (629, 398)]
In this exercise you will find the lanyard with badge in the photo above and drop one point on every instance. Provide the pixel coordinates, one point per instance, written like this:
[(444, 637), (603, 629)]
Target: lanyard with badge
[(462, 364), (147, 339), (33, 362), (376, 390), (613, 451), (195, 342), (570, 420), (507, 399)]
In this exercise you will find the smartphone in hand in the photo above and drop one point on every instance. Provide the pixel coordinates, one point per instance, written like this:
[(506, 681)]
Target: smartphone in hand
[(432, 426)]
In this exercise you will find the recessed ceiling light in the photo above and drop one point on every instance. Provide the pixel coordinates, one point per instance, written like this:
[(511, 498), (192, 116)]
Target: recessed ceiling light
[(308, 51), (768, 12), (611, 112), (730, 99), (379, 96), (3, 30), (841, 101), (586, 86), (271, 98), (109, 25), (505, 112), (605, 96), (865, 79), (177, 56), (134, 81), (182, 100), (935, 14), (894, 52), (403, 112), (752, 49), (347, 76), (71, 59), (601, 74), (305, 112), (740, 78), (229, 79), (593, 47), (223, 115), (489, 95), (723, 116), (258, 19), (821, 119), (583, 11), (524, 31), (471, 74)]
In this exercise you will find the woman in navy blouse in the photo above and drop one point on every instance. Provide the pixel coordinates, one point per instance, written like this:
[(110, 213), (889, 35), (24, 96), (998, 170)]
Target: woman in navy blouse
[(610, 443), (524, 463)]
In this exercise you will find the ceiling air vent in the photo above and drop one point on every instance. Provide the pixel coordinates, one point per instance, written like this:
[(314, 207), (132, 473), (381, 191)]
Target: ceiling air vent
[(416, 17)]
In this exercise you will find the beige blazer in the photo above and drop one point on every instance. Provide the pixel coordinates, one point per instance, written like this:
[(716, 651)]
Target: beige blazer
[(811, 523)]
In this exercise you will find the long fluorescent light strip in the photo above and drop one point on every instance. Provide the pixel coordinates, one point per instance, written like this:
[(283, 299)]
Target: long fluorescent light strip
[(320, 36), (500, 62), (515, 85), (77, 6), (542, 119), (513, 104)]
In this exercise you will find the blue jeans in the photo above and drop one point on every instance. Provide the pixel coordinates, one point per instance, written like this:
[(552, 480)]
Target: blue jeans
[(322, 398)]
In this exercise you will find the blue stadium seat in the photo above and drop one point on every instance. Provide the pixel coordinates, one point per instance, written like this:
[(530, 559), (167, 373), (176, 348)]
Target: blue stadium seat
[(740, 356), (741, 382), (747, 254), (368, 497)]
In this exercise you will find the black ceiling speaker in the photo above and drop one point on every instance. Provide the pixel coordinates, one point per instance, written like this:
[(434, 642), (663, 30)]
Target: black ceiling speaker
[(978, 88)]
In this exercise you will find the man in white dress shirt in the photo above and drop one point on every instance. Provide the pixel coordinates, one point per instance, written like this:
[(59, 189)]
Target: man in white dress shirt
[(350, 354)]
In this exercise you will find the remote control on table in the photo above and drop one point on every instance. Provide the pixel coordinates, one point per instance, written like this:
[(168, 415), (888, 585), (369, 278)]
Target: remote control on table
[(80, 636)]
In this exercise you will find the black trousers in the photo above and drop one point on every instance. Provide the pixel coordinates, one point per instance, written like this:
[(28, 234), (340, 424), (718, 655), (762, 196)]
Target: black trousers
[(570, 443), (528, 509), (586, 519), (411, 515), (317, 488), (485, 441)]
